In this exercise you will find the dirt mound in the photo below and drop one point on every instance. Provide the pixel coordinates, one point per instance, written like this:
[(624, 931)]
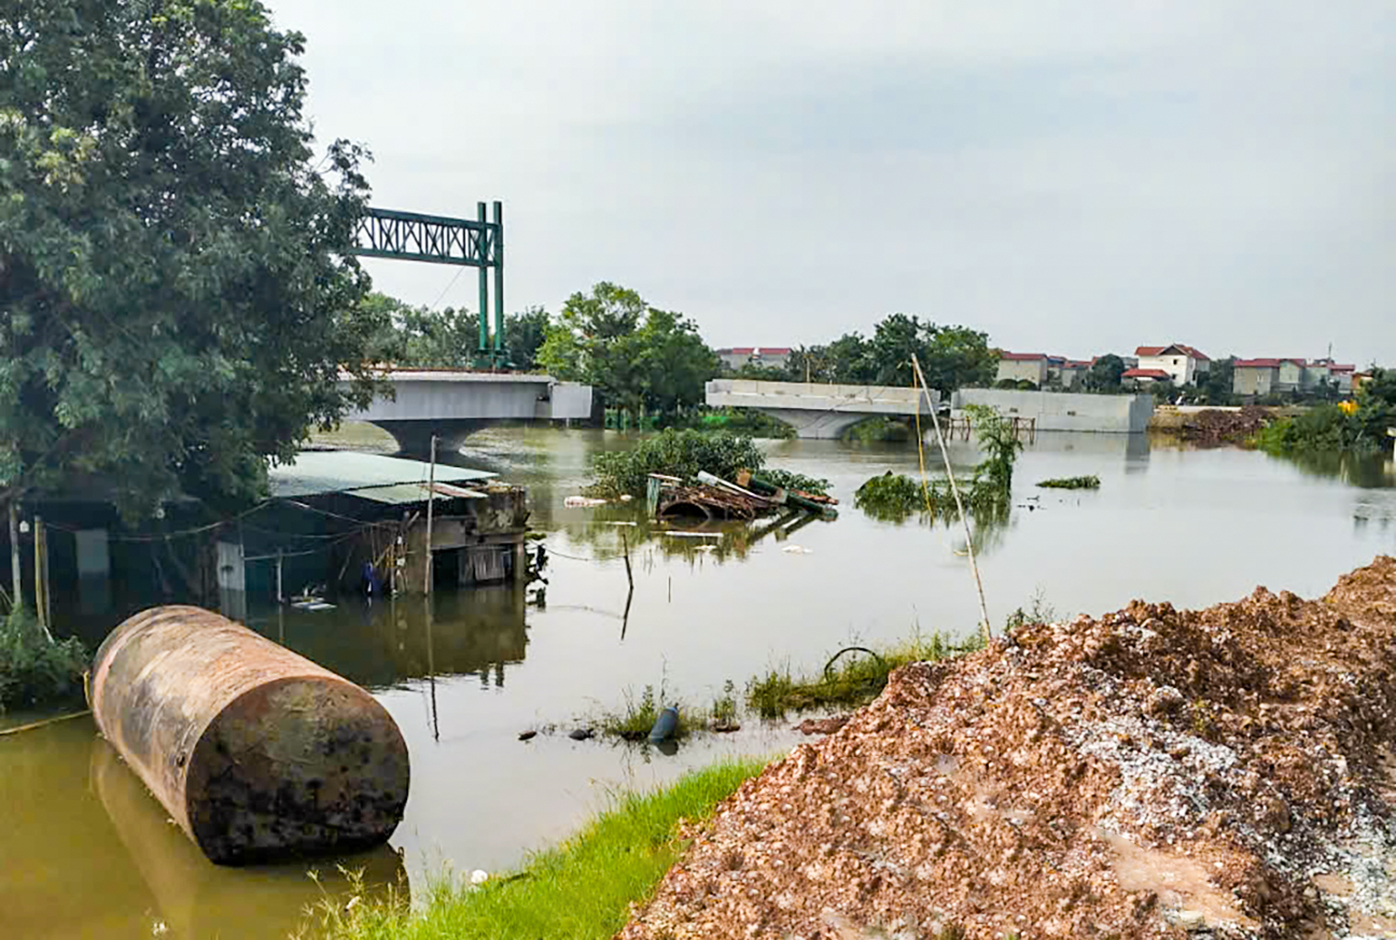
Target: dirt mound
[(1153, 773), (1215, 427)]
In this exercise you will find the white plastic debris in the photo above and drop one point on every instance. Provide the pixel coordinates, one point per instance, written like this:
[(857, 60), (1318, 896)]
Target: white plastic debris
[(479, 876), (582, 502)]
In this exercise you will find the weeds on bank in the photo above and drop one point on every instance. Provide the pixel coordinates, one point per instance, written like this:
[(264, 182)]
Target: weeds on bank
[(850, 679), (634, 721), (581, 890), (35, 670), (1091, 482)]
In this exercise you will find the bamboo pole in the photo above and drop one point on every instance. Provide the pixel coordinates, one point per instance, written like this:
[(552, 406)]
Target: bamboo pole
[(16, 577), (431, 495), (959, 504)]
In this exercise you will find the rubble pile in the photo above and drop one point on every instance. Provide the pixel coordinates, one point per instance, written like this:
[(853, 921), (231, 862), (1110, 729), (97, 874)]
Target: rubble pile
[(1214, 427), (1152, 773)]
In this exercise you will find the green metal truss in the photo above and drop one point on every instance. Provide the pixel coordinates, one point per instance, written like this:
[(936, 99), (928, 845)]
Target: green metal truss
[(478, 243)]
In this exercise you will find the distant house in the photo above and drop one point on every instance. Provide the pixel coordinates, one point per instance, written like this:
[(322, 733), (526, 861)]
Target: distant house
[(1181, 362), (1257, 377), (1146, 376), (771, 357), (1074, 372), (1024, 367)]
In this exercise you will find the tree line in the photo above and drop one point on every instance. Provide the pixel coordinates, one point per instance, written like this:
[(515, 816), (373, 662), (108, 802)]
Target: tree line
[(647, 360)]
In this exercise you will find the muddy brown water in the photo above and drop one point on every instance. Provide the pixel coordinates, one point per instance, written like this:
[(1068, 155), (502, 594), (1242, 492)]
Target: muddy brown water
[(86, 852)]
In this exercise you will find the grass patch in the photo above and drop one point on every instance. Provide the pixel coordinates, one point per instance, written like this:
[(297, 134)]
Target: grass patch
[(35, 671), (850, 679), (1091, 482), (634, 721), (581, 890)]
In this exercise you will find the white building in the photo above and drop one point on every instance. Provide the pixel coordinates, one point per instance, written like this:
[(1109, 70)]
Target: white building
[(771, 357), (1182, 363)]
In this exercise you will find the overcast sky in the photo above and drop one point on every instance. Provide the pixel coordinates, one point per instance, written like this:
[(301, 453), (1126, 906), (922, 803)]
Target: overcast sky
[(1073, 177)]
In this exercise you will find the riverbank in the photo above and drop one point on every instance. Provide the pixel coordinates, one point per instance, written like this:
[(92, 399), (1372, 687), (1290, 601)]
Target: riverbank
[(1150, 773), (581, 890)]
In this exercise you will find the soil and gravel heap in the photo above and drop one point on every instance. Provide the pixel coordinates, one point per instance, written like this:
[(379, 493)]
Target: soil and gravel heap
[(1152, 773), (1215, 427)]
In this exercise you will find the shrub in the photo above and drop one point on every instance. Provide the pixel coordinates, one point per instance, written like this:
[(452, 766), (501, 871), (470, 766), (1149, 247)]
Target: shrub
[(676, 453), (33, 669), (1091, 482)]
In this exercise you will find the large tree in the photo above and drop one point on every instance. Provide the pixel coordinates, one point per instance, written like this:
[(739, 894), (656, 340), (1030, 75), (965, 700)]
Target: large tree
[(177, 292), (636, 357), (951, 356)]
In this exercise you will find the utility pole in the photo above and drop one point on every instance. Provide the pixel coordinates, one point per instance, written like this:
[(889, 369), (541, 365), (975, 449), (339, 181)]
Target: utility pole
[(431, 499), (16, 582)]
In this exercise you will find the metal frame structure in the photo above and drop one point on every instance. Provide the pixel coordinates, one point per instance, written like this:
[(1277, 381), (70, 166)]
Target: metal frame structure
[(479, 243)]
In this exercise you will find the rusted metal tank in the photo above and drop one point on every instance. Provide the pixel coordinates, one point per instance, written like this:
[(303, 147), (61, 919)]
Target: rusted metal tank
[(257, 753)]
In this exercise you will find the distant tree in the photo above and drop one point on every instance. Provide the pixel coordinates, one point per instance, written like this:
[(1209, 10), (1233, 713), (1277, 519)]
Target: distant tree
[(1104, 374), (635, 357), (951, 356), (1214, 387), (176, 270), (766, 373), (1009, 384), (523, 336)]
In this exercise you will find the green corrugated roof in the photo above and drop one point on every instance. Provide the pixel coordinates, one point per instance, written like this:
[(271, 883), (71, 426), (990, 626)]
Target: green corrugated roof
[(344, 471)]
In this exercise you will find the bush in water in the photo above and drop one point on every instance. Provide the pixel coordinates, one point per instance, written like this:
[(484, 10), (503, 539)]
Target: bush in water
[(33, 669), (676, 453)]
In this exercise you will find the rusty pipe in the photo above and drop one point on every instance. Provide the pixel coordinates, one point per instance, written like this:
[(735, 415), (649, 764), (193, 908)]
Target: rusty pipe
[(257, 753)]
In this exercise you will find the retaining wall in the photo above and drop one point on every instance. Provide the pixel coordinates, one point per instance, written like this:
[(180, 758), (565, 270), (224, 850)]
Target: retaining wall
[(1064, 411)]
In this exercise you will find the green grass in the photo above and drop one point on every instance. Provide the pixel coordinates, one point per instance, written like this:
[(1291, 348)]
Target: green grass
[(581, 890), (851, 680), (1091, 482)]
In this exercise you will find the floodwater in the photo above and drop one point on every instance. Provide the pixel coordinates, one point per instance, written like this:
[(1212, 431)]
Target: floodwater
[(86, 852)]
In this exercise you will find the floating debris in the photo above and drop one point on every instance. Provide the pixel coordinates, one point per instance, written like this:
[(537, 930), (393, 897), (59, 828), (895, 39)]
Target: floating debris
[(583, 502)]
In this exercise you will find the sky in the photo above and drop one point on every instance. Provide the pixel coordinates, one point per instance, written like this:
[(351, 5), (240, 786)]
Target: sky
[(1070, 177)]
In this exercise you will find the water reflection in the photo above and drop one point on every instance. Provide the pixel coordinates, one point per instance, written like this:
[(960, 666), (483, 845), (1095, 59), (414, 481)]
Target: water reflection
[(194, 898), (85, 851), (1366, 471), (386, 644)]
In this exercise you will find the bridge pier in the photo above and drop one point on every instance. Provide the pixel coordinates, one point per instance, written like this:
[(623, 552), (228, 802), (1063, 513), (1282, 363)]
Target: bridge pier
[(414, 437), (815, 425)]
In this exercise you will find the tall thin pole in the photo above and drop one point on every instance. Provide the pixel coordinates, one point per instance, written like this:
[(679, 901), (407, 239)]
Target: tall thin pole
[(484, 282), (431, 500), (16, 578), (959, 505), (498, 284)]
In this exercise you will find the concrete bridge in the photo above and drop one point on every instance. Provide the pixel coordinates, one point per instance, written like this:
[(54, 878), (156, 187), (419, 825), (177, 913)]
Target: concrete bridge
[(818, 411), (453, 404)]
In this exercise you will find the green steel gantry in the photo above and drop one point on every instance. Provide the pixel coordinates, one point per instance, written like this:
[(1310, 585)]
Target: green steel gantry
[(479, 243)]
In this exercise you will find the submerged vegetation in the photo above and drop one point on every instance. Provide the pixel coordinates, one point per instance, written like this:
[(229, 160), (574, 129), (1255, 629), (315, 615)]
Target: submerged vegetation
[(853, 677), (986, 494), (682, 454), (581, 890), (1091, 482), (34, 669)]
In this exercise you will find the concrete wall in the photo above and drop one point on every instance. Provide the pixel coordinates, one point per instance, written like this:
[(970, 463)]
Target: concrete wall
[(1063, 411)]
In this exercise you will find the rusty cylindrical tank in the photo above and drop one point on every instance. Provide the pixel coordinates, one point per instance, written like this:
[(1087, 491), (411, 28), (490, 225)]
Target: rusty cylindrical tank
[(256, 752)]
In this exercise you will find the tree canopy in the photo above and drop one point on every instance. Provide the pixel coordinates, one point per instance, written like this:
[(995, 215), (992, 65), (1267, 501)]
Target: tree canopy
[(951, 356), (177, 291), (635, 356)]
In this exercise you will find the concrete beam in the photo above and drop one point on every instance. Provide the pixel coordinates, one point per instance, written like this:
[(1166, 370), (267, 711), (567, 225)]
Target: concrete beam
[(818, 411)]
